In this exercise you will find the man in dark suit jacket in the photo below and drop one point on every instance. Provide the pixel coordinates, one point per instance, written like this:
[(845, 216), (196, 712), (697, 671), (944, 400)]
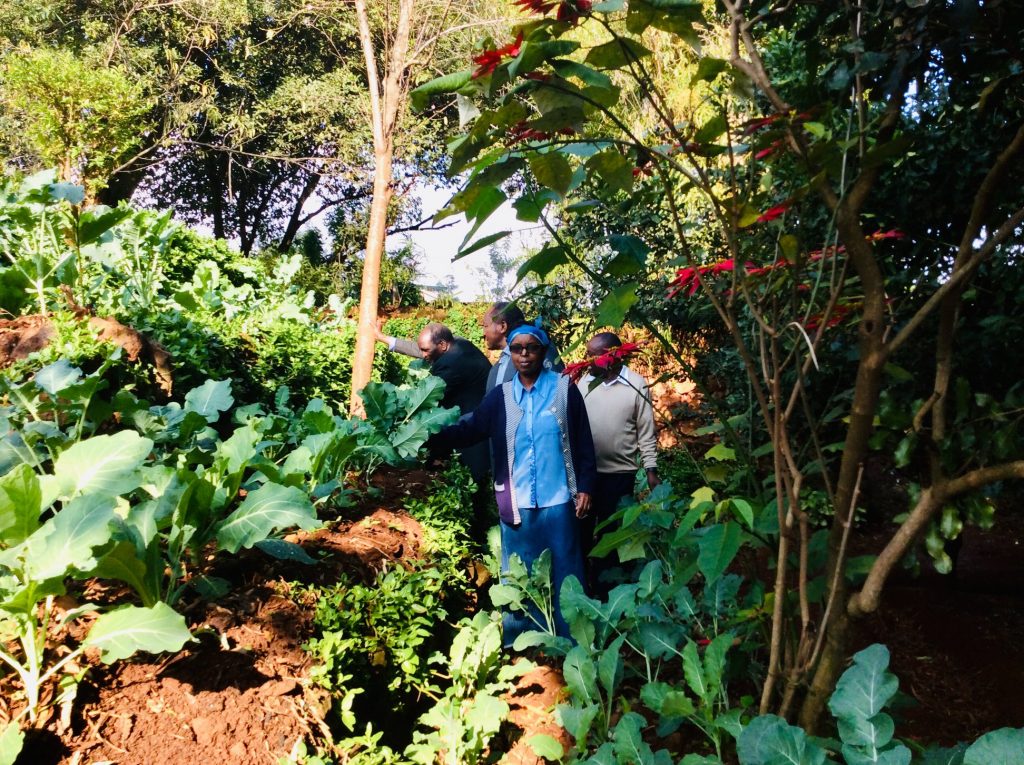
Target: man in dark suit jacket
[(464, 369), (500, 319)]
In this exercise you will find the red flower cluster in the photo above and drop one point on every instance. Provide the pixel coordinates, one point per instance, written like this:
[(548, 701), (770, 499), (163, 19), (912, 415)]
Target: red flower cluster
[(568, 10), (839, 313), (686, 278), (774, 212), (522, 131), (770, 149), (606, 360), (752, 126), (646, 169), (487, 61)]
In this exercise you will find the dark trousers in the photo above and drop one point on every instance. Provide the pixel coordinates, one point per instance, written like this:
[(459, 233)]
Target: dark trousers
[(608, 492)]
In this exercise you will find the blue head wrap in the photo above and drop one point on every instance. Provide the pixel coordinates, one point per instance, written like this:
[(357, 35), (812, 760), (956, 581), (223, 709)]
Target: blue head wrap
[(529, 329)]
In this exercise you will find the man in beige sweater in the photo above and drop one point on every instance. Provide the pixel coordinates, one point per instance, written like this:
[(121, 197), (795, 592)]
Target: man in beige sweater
[(622, 423)]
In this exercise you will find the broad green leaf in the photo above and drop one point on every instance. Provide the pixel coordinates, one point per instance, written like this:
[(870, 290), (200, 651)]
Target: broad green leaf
[(93, 224), (730, 722), (11, 742), (999, 747), (486, 714), (577, 719), (283, 550), (743, 509), (408, 438), (552, 170), (548, 258), (616, 304), (448, 83), (55, 377), (582, 72), (714, 660), (897, 755), (70, 192), (546, 746), (693, 671), (530, 207), (709, 68), (122, 564), (487, 200), (629, 743), (617, 53), (264, 511), (666, 700), (650, 578), (65, 543), (102, 465), (711, 130), (720, 452), (622, 265), (380, 403), (770, 740), (660, 640), (717, 548), (580, 675), (614, 169), (239, 449), (119, 634), (425, 394), (506, 595), (533, 54), (866, 687), (210, 399), (479, 244), (21, 502), (610, 665), (627, 244)]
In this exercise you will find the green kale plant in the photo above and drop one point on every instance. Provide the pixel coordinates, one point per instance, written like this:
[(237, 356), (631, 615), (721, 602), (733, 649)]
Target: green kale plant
[(866, 730)]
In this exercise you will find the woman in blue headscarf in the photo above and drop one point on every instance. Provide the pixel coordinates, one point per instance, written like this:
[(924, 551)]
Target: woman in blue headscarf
[(544, 464)]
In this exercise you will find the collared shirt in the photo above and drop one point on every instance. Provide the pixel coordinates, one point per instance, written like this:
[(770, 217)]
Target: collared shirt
[(622, 422), (538, 469), (502, 364)]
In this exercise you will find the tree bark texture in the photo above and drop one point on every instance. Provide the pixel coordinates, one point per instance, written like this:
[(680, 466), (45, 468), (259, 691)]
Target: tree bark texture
[(387, 98)]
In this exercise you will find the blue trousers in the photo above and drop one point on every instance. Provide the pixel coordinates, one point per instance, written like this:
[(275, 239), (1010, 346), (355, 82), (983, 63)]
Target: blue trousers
[(554, 528)]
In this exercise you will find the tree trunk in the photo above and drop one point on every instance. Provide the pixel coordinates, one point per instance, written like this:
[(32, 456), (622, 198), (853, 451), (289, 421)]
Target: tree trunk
[(295, 221), (387, 97)]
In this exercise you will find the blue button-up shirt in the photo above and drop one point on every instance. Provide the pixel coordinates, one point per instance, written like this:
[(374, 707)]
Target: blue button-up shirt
[(538, 468)]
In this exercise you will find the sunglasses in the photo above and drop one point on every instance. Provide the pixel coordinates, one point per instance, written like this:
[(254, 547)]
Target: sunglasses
[(532, 349)]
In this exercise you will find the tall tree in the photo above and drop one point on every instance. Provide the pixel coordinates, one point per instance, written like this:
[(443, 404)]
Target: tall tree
[(400, 40)]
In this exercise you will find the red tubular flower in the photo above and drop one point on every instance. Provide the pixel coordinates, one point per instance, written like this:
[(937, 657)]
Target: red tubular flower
[(605, 361), (839, 314), (686, 278), (751, 126), (753, 270), (774, 212), (487, 61), (770, 149), (521, 131), (879, 235), (576, 370)]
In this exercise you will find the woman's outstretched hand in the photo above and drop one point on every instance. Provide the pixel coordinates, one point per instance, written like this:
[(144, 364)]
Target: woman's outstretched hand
[(582, 504)]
